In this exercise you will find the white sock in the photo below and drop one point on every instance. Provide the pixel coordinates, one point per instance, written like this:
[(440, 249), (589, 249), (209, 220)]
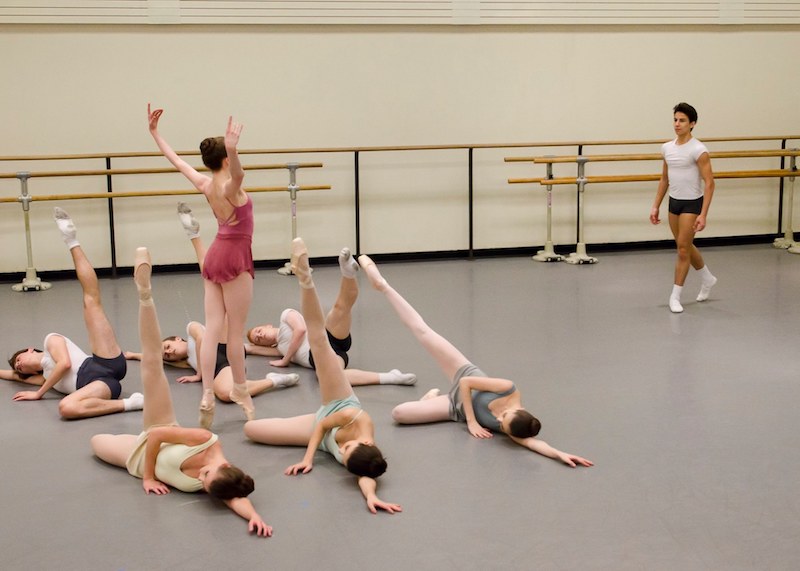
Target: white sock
[(67, 227), (283, 380), (708, 282), (134, 402), (348, 264), (190, 224), (675, 299), (396, 377)]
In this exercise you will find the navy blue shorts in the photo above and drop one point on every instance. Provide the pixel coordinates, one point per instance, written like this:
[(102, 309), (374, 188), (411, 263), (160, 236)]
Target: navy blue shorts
[(339, 346), (109, 371), (222, 358), (678, 206)]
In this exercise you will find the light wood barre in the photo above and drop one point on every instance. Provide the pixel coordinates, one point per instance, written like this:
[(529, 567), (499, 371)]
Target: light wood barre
[(96, 172), (130, 194), (650, 157), (777, 173)]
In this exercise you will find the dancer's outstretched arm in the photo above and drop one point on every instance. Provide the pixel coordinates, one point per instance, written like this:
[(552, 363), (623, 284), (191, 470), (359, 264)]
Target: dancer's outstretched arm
[(243, 507), (469, 384), (543, 448), (12, 375), (234, 184), (200, 182), (196, 330), (369, 488)]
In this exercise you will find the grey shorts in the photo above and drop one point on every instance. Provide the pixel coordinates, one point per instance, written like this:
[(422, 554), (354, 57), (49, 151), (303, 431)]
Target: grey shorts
[(456, 406)]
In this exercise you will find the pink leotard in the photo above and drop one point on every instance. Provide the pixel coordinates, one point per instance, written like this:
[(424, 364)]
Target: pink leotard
[(230, 253)]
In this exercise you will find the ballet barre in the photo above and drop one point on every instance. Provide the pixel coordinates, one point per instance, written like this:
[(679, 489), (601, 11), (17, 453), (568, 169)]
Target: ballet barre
[(31, 281), (581, 180)]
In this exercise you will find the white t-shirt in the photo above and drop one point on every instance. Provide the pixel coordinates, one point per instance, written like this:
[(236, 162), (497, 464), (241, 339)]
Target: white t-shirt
[(191, 349), (285, 338), (69, 380), (685, 182)]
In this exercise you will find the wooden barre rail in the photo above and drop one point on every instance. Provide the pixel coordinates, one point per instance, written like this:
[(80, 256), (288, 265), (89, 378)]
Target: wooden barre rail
[(399, 148), (650, 157), (129, 194), (159, 170), (777, 173)]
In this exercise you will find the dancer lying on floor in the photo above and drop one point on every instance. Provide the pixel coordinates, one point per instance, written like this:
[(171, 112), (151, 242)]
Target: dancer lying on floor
[(91, 383), (341, 426), (485, 403), (166, 454), (185, 352)]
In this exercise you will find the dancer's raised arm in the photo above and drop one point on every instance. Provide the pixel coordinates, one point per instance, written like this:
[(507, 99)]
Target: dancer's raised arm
[(200, 182), (233, 186)]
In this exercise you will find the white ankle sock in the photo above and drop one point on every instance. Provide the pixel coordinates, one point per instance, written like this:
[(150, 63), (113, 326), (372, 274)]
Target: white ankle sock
[(190, 224), (396, 377), (705, 274), (283, 380), (705, 288), (134, 402), (348, 264), (66, 227), (675, 299)]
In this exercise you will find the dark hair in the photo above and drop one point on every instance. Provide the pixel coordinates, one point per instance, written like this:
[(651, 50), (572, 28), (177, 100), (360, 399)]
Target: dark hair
[(231, 483), (524, 425), (213, 151), (13, 359), (366, 460), (687, 110)]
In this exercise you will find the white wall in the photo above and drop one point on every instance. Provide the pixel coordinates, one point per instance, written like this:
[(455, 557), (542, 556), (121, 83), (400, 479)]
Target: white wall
[(76, 89)]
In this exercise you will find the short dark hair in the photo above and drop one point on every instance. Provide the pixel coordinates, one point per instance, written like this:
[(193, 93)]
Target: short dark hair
[(13, 359), (366, 460), (212, 149), (524, 425), (231, 483), (687, 110)]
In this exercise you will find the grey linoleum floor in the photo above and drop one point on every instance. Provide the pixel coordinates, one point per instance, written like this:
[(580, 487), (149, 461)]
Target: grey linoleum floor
[(691, 421)]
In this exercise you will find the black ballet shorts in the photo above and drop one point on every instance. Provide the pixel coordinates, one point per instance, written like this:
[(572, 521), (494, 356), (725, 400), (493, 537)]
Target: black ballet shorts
[(339, 346), (222, 358), (678, 206), (109, 371)]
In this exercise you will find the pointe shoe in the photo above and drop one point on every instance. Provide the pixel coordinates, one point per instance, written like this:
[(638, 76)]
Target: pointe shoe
[(375, 277), (299, 262), (240, 396), (142, 270), (207, 405)]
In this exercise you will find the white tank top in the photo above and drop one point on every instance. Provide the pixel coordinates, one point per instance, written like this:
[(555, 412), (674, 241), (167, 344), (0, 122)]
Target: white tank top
[(76, 356), (285, 338)]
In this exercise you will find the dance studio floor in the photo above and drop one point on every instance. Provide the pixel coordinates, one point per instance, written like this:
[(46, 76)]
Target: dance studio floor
[(691, 421)]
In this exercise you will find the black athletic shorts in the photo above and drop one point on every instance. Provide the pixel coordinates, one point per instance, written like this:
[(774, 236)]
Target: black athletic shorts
[(678, 206), (109, 371), (339, 346)]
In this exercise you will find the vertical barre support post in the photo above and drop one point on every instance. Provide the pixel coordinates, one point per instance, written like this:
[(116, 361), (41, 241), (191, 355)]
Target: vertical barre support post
[(286, 269), (549, 254), (579, 256), (31, 282), (787, 196)]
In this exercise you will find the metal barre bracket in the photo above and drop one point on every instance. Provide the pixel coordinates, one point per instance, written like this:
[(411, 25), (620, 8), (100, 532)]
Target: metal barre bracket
[(31, 282), (787, 242), (286, 269)]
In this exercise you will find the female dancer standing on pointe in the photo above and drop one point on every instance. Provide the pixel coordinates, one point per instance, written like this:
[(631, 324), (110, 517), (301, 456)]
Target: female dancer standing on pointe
[(686, 165), (228, 269), (340, 426), (189, 459), (485, 403)]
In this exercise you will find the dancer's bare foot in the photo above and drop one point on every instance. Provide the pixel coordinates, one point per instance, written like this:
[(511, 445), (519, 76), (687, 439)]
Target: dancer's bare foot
[(375, 277)]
